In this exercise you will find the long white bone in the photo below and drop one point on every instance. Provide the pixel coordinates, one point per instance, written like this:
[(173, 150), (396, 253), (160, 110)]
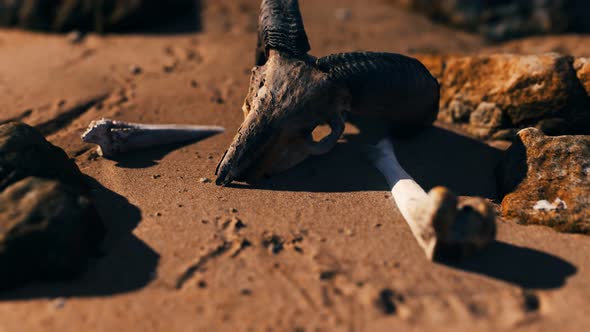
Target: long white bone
[(443, 227), (115, 137)]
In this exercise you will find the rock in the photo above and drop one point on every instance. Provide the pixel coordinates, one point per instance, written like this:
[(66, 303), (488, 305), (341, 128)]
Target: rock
[(501, 19), (98, 15), (25, 152), (48, 225), (582, 67), (546, 181), (47, 231), (492, 94)]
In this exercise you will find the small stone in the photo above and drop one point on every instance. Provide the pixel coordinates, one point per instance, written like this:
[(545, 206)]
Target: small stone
[(194, 84), (158, 214), (205, 180), (246, 292), (74, 37), (59, 303), (156, 176), (343, 14), (135, 69)]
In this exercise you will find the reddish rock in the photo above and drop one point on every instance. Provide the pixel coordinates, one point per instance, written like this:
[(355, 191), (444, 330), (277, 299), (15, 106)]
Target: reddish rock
[(582, 67), (492, 96), (547, 181)]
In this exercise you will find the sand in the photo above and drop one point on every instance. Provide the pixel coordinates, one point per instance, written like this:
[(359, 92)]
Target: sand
[(319, 248)]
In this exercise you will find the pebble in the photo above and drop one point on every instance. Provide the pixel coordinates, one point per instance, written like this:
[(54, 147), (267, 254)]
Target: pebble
[(59, 302), (74, 37), (205, 180), (343, 14), (135, 69)]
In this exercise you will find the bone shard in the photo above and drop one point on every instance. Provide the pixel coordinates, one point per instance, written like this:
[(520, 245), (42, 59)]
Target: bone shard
[(116, 137), (442, 226)]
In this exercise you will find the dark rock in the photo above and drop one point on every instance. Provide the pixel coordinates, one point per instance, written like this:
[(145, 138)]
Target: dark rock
[(25, 152), (48, 225), (546, 181), (47, 231), (490, 95), (502, 19), (97, 15)]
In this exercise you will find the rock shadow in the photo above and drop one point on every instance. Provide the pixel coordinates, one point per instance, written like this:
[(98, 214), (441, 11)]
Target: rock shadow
[(525, 267), (126, 263), (434, 157)]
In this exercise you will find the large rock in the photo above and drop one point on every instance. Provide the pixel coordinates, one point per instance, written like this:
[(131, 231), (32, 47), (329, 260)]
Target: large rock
[(492, 96), (501, 19), (47, 231), (99, 15), (547, 181), (48, 225), (25, 152)]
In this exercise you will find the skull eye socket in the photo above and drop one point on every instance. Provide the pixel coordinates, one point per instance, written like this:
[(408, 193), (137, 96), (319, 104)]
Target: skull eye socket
[(320, 132)]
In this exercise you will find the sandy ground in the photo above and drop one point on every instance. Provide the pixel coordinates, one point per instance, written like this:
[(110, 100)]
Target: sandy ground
[(323, 247)]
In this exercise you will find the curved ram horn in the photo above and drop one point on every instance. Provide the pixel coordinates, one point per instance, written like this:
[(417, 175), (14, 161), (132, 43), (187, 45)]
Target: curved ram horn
[(280, 27), (387, 85)]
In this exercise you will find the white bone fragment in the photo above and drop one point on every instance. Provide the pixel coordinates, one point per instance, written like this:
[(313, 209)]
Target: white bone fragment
[(442, 226), (545, 205), (115, 137)]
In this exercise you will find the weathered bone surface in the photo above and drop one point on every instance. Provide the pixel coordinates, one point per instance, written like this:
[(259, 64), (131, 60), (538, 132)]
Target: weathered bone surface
[(115, 137), (291, 93), (444, 227)]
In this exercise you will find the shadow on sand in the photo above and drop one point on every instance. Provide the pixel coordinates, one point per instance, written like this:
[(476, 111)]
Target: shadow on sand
[(127, 264), (525, 267), (433, 157)]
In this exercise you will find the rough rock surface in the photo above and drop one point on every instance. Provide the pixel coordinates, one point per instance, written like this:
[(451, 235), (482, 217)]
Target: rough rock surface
[(47, 231), (547, 181), (84, 14), (48, 226), (500, 19), (582, 67), (492, 96), (25, 152)]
